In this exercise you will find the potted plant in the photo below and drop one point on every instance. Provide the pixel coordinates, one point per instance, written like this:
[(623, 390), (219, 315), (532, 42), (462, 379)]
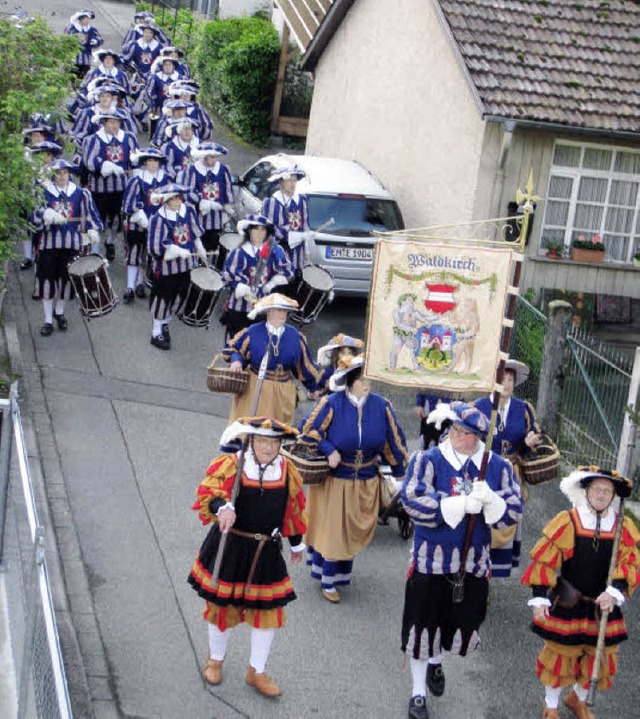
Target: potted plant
[(555, 249), (584, 250)]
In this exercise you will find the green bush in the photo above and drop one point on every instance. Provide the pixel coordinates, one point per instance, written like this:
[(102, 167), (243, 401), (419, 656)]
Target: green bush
[(39, 80), (181, 26), (236, 64)]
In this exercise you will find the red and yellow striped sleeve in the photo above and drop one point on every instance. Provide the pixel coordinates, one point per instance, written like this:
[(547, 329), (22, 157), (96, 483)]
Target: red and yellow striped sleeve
[(217, 483), (295, 517), (628, 561), (555, 546)]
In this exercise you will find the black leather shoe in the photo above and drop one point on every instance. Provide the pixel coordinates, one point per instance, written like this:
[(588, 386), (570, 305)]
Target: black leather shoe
[(26, 264), (128, 296), (165, 333), (61, 321), (161, 342), (141, 292), (46, 329), (435, 679), (111, 252), (418, 708)]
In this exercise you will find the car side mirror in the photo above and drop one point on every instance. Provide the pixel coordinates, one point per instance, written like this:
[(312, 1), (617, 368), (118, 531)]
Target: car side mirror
[(235, 180)]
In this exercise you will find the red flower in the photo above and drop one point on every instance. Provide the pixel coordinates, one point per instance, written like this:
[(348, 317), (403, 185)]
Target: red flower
[(596, 239)]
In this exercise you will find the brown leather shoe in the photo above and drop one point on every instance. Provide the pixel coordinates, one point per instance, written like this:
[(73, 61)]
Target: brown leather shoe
[(580, 709), (212, 672), (262, 683), (332, 597), (549, 713)]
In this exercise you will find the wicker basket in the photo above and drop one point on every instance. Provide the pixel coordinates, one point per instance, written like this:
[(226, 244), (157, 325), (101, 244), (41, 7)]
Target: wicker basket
[(540, 464), (222, 379), (312, 465)]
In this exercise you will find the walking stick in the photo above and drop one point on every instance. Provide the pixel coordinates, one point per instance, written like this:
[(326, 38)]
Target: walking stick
[(593, 682), (236, 481)]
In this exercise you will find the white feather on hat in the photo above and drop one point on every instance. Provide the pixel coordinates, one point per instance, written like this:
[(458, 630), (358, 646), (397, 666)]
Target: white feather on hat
[(338, 380), (242, 426), (274, 301), (440, 414)]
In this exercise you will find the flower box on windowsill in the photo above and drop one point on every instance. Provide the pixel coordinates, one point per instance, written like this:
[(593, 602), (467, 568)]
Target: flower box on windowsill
[(578, 254)]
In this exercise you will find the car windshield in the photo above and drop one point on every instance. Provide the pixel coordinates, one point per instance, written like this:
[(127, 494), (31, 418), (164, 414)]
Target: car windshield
[(353, 216)]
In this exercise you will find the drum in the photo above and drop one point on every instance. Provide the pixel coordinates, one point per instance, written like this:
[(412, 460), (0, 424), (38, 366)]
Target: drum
[(312, 293), (90, 280), (230, 240), (202, 295)]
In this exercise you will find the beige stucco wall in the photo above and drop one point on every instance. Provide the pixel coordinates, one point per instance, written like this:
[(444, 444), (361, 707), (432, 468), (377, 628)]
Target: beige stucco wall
[(389, 93)]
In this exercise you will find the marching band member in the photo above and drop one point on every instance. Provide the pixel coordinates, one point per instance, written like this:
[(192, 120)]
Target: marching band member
[(517, 430), (254, 586), (573, 558), (289, 359), (108, 61), (142, 52), (289, 212), (180, 147), (241, 269), (187, 91), (158, 83), (439, 493), (107, 157), (354, 428), (212, 192), (173, 241), (140, 19), (103, 99), (88, 36), (67, 211), (175, 54), (136, 203)]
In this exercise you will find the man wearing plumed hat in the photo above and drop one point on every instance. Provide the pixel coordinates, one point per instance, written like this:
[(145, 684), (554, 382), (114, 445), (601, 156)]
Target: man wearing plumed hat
[(568, 576), (442, 493), (88, 36)]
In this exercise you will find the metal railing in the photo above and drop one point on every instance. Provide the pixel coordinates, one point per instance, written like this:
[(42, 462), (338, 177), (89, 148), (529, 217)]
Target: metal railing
[(40, 682), (169, 16)]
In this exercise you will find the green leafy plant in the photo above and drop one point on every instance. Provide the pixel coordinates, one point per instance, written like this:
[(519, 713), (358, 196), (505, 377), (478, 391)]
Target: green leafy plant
[(595, 243), (555, 247), (236, 64), (39, 80)]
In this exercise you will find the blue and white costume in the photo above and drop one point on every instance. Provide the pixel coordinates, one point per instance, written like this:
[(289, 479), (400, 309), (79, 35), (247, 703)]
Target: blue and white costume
[(209, 183), (288, 214), (89, 38)]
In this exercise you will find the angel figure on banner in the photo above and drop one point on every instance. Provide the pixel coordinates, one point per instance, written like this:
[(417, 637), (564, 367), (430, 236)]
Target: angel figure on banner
[(407, 322)]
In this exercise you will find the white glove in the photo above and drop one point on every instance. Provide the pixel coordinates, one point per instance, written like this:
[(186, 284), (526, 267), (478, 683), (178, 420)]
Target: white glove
[(52, 217), (86, 240), (215, 205), (274, 282), (295, 238), (472, 505), (205, 206), (174, 252), (110, 168), (242, 290), (140, 218), (230, 210), (452, 509), (309, 241), (494, 508), (481, 491), (94, 236), (200, 251)]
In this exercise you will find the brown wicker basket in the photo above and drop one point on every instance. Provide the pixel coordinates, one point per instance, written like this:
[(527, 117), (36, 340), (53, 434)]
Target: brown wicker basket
[(540, 464), (311, 464), (222, 379)]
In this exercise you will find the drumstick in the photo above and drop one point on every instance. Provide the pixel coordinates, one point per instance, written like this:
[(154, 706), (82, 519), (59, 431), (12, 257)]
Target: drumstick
[(324, 225)]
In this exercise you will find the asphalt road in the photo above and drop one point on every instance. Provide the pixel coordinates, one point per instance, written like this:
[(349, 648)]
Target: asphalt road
[(123, 433)]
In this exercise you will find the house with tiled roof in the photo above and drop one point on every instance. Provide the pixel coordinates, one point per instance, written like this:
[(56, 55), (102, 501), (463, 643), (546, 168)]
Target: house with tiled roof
[(451, 103)]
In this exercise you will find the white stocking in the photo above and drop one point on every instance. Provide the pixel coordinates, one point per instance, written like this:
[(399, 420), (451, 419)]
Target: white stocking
[(419, 676), (132, 273), (581, 692), (261, 640), (157, 328), (27, 248), (218, 642), (47, 306), (552, 697), (60, 306)]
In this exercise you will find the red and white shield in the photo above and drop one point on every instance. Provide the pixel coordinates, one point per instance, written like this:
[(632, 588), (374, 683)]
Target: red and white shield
[(115, 153), (295, 220), (64, 208), (440, 299), (146, 58), (181, 234), (211, 190)]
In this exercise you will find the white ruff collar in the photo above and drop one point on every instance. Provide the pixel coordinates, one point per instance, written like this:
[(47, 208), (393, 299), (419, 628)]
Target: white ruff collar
[(119, 136), (458, 460), (171, 215), (53, 189), (273, 472), (279, 195), (588, 518)]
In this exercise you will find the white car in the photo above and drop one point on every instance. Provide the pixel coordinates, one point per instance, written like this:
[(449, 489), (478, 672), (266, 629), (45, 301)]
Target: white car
[(341, 190)]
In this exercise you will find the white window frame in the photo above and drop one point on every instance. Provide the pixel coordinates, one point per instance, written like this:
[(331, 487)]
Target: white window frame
[(575, 174)]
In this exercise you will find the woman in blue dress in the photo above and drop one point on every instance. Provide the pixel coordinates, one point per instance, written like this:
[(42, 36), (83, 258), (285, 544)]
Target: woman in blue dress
[(517, 430), (356, 430)]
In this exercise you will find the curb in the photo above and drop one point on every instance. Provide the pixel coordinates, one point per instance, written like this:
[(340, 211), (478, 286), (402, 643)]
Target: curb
[(86, 665)]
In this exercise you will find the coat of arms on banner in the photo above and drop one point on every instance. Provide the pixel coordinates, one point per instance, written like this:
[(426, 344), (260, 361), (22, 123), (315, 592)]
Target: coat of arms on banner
[(436, 314)]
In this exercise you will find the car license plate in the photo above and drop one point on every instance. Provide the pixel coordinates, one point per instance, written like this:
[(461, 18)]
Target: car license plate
[(349, 253)]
